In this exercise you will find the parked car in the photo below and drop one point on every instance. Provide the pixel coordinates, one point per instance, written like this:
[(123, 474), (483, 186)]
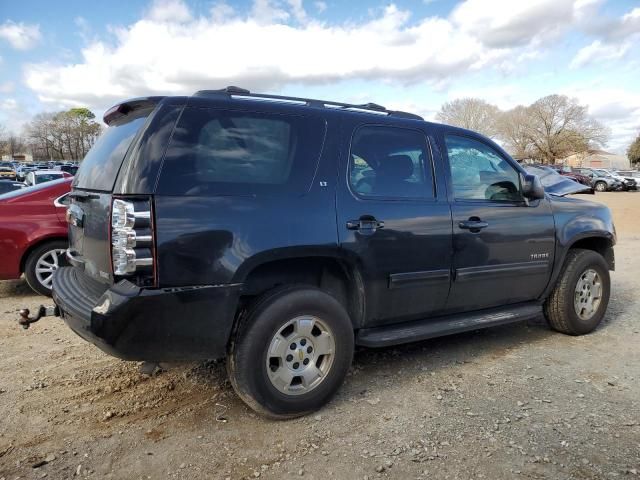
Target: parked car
[(9, 186), (33, 233), (70, 169), (628, 183), (41, 176), (22, 170), (7, 173), (283, 231), (566, 171), (600, 181), (635, 174)]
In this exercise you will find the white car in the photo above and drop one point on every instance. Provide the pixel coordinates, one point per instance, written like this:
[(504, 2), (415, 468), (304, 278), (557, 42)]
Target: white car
[(41, 176)]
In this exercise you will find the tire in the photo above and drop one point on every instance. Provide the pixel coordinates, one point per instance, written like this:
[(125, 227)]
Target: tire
[(49, 252), (260, 365), (600, 186), (561, 308)]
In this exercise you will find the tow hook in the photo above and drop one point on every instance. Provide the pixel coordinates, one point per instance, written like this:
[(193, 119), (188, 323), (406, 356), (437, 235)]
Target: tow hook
[(25, 320)]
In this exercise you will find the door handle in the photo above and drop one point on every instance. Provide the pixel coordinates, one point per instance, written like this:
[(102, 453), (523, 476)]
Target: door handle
[(474, 224), (366, 223)]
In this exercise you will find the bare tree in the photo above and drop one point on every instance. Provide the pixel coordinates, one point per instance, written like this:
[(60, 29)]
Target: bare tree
[(513, 128), (470, 113), (558, 126)]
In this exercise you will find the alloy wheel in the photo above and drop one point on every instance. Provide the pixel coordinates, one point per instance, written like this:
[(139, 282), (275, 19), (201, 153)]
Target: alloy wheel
[(588, 294), (300, 355), (47, 265)]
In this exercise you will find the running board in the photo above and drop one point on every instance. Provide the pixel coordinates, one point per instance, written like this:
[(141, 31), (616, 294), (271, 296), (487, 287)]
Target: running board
[(440, 326)]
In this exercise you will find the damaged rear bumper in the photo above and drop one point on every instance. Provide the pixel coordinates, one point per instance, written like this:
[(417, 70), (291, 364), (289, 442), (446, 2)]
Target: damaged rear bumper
[(160, 324)]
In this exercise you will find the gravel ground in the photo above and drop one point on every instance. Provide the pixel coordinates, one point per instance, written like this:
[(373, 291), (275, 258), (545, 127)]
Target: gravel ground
[(517, 401)]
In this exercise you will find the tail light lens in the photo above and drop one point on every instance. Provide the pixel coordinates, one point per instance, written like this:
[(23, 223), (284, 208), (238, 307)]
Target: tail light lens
[(131, 237)]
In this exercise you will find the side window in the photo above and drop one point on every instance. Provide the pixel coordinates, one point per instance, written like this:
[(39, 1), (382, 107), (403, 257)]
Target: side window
[(390, 162), (63, 201), (224, 152), (478, 172)]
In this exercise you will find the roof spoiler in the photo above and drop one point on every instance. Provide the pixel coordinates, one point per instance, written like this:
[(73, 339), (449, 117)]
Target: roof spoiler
[(122, 109)]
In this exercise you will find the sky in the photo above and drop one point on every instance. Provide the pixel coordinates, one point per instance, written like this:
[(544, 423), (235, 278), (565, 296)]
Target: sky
[(411, 55)]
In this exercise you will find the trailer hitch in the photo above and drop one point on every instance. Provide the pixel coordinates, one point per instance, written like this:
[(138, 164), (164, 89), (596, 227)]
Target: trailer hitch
[(25, 320)]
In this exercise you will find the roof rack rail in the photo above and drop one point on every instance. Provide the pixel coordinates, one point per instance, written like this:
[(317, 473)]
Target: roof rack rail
[(244, 94)]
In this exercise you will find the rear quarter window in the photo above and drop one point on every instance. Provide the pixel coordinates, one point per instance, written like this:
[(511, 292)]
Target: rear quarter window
[(228, 152)]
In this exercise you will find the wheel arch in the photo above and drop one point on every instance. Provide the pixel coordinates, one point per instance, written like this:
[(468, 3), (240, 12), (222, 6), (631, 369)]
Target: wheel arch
[(38, 243), (601, 242), (335, 274)]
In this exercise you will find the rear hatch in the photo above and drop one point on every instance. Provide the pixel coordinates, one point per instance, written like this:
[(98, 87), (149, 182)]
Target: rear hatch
[(91, 197)]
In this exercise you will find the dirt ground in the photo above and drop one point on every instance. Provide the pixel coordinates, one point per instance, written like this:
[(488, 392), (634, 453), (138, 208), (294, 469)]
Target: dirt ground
[(517, 401)]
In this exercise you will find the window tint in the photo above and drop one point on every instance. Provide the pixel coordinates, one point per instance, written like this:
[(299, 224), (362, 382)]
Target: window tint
[(218, 152), (478, 172), (100, 166), (390, 162)]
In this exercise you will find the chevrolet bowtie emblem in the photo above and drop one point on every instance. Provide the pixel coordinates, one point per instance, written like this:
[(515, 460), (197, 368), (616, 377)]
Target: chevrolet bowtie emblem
[(301, 354)]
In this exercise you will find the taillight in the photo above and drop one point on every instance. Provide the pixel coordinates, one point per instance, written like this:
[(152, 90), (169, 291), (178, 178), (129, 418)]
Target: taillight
[(131, 237)]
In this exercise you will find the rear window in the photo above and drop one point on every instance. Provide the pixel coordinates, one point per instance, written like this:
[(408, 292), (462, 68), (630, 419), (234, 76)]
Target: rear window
[(100, 166), (221, 152), (47, 177)]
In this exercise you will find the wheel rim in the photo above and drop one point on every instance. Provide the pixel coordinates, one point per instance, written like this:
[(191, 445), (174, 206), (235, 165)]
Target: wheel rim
[(300, 355), (588, 294), (600, 187), (47, 265)]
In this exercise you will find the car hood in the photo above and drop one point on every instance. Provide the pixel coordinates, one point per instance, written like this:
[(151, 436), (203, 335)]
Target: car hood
[(556, 184)]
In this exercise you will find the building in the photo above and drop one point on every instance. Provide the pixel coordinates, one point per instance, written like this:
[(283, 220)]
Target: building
[(18, 157), (596, 159)]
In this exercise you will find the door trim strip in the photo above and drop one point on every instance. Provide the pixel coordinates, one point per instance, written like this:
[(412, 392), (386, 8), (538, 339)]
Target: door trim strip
[(501, 270), (415, 279)]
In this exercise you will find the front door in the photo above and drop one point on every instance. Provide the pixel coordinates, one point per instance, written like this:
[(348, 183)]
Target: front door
[(395, 222), (503, 244)]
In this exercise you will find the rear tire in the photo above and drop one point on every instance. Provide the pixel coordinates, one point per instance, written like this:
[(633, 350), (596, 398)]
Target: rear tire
[(42, 263), (291, 352), (600, 187), (581, 295)]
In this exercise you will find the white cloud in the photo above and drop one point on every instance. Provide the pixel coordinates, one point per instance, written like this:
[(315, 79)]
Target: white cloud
[(19, 35), (169, 11), (497, 23), (599, 52), (170, 51)]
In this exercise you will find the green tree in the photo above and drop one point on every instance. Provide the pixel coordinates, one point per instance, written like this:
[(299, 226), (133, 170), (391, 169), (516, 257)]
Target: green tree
[(66, 135), (633, 152)]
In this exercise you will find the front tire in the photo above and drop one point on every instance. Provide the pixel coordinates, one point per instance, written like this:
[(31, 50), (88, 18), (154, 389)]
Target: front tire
[(291, 352), (600, 187), (581, 295), (42, 263)]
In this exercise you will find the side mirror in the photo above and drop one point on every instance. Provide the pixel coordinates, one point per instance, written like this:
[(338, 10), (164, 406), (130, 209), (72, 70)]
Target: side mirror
[(532, 187)]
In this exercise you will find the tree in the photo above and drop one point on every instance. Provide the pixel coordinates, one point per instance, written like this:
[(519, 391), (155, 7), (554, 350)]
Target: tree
[(557, 126), (470, 113), (633, 152), (66, 135), (513, 128)]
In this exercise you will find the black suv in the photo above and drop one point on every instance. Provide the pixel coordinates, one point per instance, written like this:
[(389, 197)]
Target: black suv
[(280, 232)]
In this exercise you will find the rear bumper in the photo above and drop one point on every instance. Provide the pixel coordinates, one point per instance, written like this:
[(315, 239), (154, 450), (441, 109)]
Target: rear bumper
[(132, 323)]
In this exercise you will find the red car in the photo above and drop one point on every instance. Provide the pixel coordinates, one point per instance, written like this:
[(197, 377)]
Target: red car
[(33, 233)]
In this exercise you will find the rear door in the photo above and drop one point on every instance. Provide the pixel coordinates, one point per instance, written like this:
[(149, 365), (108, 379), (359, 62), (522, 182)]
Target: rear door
[(503, 245), (394, 220), (89, 210)]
